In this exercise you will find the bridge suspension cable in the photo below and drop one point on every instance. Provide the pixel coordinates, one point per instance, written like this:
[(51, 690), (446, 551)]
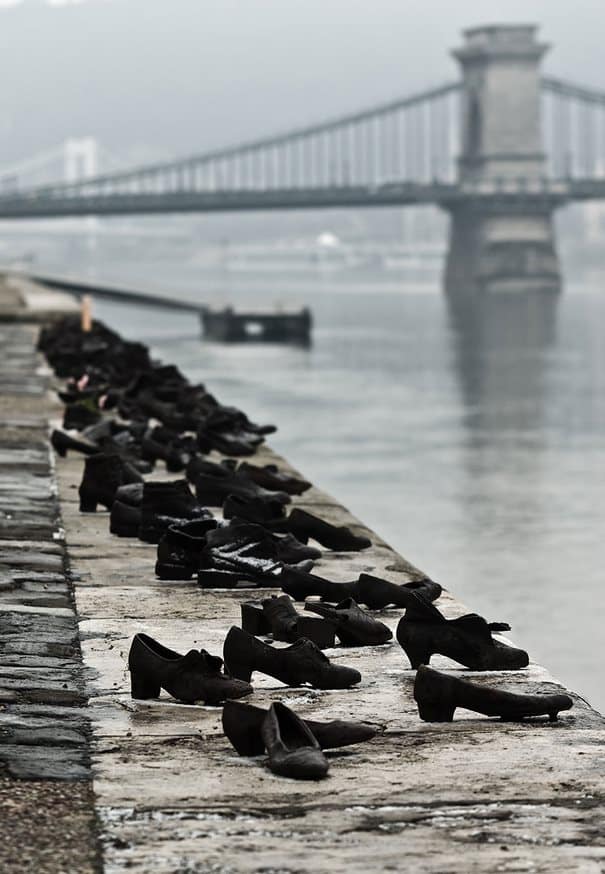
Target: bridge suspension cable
[(573, 129), (409, 139)]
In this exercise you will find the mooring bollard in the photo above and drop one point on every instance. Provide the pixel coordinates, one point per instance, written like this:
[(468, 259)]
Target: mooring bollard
[(86, 313)]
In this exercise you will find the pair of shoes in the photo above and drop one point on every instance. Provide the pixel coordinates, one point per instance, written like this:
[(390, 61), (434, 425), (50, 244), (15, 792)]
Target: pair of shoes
[(278, 617), (214, 489), (242, 725), (424, 631), (265, 510), (270, 477), (353, 625), (241, 552), (294, 745), (374, 592), (438, 695), (302, 662), (195, 676)]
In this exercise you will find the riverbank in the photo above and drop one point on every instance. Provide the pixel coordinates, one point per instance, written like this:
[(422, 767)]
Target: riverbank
[(171, 795)]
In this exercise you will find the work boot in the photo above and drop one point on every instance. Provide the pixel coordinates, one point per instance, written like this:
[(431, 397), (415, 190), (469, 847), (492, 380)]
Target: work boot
[(164, 504), (103, 475), (180, 549)]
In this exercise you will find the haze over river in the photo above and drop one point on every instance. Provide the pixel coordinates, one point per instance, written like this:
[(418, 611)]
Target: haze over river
[(473, 441)]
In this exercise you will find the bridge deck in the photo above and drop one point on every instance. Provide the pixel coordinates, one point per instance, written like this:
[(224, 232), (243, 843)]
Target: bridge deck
[(499, 194)]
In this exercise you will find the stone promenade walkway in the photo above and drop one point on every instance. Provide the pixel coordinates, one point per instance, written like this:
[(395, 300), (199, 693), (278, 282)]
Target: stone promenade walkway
[(47, 818), (170, 793)]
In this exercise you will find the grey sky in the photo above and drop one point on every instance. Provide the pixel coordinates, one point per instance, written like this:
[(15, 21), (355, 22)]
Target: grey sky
[(155, 78)]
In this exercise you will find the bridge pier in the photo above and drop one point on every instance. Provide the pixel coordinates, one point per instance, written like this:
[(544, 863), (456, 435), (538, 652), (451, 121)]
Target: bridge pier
[(511, 251), (501, 231)]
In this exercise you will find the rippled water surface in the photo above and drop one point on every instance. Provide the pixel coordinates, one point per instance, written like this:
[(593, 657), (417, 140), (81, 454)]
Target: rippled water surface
[(473, 439)]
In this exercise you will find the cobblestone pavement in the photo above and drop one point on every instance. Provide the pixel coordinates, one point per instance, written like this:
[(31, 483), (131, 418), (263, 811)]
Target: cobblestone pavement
[(47, 816)]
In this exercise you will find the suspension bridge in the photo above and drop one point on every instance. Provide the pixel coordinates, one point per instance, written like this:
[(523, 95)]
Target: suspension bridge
[(500, 150)]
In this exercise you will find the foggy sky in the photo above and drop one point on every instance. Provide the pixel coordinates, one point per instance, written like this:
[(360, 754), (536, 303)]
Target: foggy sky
[(161, 78)]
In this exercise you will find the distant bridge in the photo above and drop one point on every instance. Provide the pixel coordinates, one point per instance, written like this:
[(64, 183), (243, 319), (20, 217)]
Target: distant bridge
[(500, 150)]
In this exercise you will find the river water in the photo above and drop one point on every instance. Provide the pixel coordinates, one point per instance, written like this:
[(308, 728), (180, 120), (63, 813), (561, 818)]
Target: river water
[(472, 439)]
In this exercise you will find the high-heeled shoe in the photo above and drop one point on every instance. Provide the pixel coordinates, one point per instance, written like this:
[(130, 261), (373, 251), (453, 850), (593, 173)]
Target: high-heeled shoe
[(424, 631), (242, 725), (292, 749), (374, 592), (337, 537), (377, 593), (438, 695), (354, 626), (196, 676), (302, 662)]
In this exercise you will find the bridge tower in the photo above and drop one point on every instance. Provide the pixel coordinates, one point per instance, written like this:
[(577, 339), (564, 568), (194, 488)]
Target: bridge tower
[(504, 241)]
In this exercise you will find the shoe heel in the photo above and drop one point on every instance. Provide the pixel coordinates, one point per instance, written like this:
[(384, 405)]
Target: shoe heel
[(431, 711), (320, 631), (143, 687), (166, 571), (416, 650), (88, 504), (417, 656), (239, 670), (254, 620)]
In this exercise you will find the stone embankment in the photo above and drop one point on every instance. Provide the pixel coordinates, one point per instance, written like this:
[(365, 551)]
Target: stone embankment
[(169, 793)]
